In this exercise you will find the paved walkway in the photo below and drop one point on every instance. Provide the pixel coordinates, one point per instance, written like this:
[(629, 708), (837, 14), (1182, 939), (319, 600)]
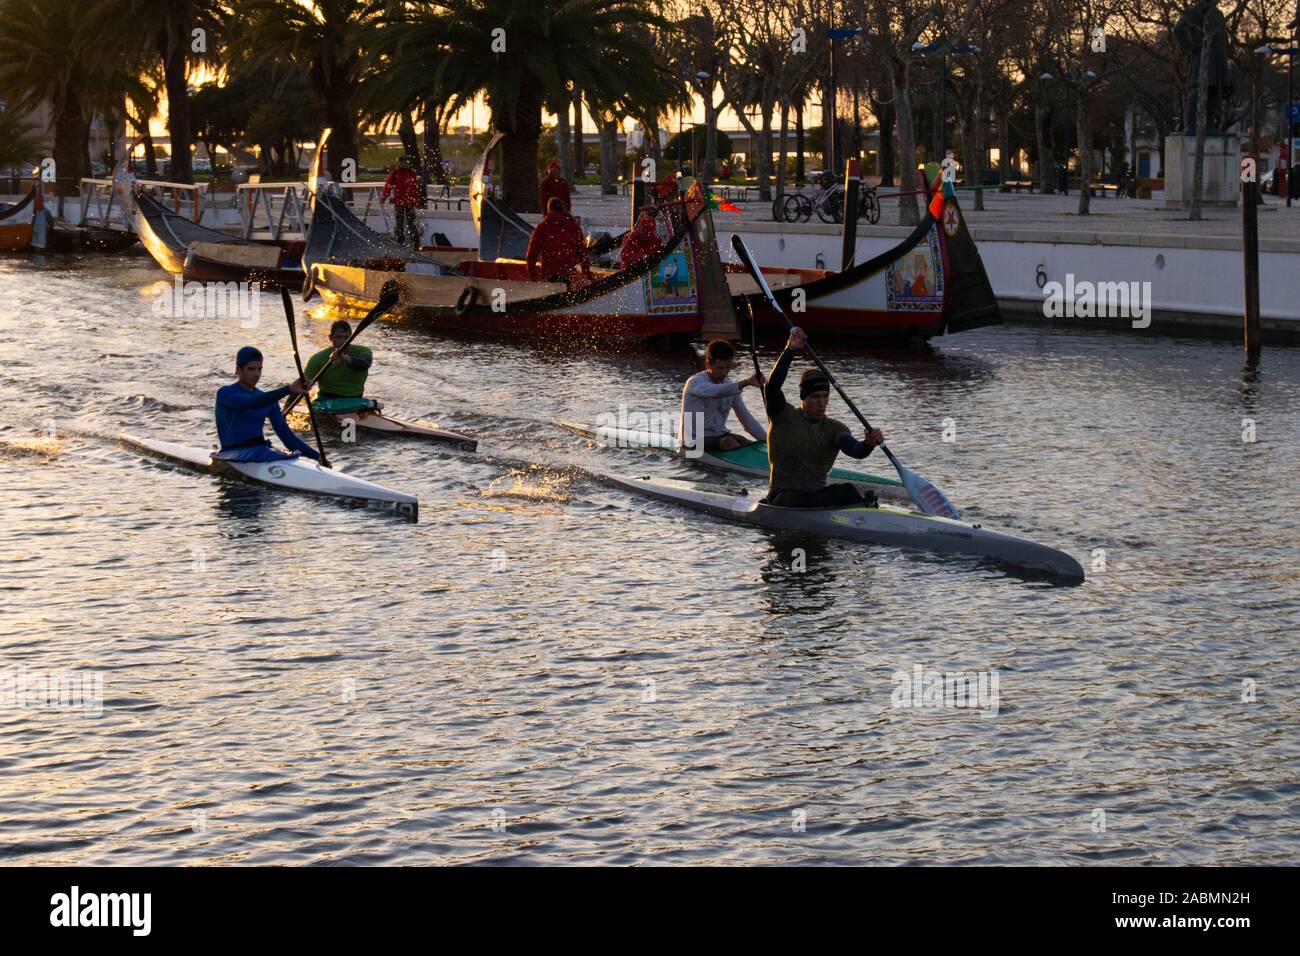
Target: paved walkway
[(1056, 213)]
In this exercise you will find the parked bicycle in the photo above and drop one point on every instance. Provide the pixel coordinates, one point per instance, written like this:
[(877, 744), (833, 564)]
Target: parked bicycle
[(828, 203)]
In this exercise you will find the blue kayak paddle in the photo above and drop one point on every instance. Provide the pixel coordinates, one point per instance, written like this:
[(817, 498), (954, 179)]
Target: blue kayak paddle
[(926, 496)]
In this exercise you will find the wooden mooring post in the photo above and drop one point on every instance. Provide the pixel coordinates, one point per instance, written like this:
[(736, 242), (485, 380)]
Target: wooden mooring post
[(1250, 254)]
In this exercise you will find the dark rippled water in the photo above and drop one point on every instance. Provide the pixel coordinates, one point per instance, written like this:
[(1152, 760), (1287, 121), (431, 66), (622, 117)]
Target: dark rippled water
[(544, 670)]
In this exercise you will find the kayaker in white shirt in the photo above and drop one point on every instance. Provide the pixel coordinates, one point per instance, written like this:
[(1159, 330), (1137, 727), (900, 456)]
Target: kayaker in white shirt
[(709, 398)]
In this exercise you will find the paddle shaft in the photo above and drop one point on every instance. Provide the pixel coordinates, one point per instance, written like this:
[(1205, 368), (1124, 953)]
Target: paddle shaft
[(743, 251), (383, 305), (753, 338), (293, 339)]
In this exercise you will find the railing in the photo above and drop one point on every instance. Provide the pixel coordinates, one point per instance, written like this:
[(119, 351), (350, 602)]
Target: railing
[(282, 207), (102, 206)]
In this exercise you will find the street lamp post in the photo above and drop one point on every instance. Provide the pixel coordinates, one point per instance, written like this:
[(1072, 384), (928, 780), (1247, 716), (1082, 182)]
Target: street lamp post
[(919, 47), (1290, 52)]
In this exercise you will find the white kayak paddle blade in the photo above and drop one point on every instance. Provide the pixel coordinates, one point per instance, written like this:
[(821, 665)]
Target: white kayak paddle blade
[(927, 497)]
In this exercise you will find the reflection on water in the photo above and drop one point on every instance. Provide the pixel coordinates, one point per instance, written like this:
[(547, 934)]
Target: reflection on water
[(546, 669)]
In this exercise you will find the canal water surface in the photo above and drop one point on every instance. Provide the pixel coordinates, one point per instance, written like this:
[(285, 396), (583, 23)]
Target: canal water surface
[(546, 670)]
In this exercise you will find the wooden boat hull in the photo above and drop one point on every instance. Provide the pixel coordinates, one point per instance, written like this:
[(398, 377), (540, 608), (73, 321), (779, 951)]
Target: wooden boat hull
[(618, 317), (16, 223), (15, 236), (199, 254)]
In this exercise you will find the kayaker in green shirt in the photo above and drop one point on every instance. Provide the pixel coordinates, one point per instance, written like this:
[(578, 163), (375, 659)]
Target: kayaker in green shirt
[(343, 384), (802, 442)]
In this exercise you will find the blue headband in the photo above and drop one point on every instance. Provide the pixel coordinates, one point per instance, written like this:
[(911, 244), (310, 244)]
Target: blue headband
[(247, 354)]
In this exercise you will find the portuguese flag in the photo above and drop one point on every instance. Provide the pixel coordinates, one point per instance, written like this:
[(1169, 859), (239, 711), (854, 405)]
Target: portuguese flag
[(714, 201)]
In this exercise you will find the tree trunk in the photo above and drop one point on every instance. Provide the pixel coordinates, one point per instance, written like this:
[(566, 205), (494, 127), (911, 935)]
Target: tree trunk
[(784, 149), (1046, 181), (1004, 144), (579, 148), (150, 154), (885, 158), (68, 125), (710, 138), (564, 144), (178, 102), (608, 168), (1202, 94), (765, 154), (798, 143), (522, 132), (980, 152), (908, 214), (433, 144), (1083, 130)]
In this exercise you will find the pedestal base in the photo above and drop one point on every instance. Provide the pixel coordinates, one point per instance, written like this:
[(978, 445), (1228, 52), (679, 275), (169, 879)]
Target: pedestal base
[(1222, 161)]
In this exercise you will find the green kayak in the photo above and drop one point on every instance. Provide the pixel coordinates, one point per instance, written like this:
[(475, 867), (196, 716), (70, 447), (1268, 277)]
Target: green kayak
[(750, 460)]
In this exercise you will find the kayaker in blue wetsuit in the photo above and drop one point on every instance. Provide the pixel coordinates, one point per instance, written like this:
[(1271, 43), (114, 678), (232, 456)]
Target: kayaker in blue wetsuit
[(802, 442), (242, 410)]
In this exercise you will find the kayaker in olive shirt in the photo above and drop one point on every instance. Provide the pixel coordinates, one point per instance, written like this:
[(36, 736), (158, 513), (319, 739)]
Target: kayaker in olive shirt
[(802, 442), (343, 384)]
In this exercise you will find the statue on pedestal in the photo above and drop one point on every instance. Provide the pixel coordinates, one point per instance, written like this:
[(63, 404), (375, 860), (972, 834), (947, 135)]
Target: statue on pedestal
[(1198, 20)]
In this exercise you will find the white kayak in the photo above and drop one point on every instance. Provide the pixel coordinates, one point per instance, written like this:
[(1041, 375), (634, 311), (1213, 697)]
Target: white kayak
[(884, 524), (378, 422), (749, 460), (292, 474)]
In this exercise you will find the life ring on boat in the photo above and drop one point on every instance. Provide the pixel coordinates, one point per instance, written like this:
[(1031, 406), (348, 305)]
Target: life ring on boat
[(468, 297)]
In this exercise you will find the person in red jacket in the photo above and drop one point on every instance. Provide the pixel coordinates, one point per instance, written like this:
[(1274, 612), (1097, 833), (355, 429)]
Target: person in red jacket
[(553, 187), (403, 184), (642, 241), (558, 243)]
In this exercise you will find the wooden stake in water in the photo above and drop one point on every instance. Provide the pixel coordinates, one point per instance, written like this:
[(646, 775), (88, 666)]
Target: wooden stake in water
[(1250, 254)]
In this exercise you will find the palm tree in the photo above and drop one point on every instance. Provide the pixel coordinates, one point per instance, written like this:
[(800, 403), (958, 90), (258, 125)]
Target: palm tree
[(165, 30), (18, 141), (523, 54), (41, 61), (326, 38)]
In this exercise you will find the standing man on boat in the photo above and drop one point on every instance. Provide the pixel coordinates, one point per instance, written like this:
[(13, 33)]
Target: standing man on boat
[(403, 184), (803, 443), (553, 187), (343, 383), (242, 410), (558, 245), (642, 242), (709, 398)]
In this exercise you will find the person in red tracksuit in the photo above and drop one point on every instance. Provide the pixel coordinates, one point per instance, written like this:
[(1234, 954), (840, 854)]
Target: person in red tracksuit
[(641, 242), (553, 187), (558, 243), (403, 184)]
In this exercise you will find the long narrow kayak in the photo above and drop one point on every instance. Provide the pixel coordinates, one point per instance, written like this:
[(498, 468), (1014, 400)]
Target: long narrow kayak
[(379, 422), (750, 460), (884, 524), (291, 474)]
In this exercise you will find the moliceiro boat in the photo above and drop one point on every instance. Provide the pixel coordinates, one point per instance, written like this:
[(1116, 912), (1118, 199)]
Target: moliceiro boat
[(660, 298), (183, 247), (931, 283), (25, 224)]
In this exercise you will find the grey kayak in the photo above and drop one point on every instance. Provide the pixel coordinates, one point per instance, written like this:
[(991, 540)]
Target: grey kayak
[(884, 524)]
